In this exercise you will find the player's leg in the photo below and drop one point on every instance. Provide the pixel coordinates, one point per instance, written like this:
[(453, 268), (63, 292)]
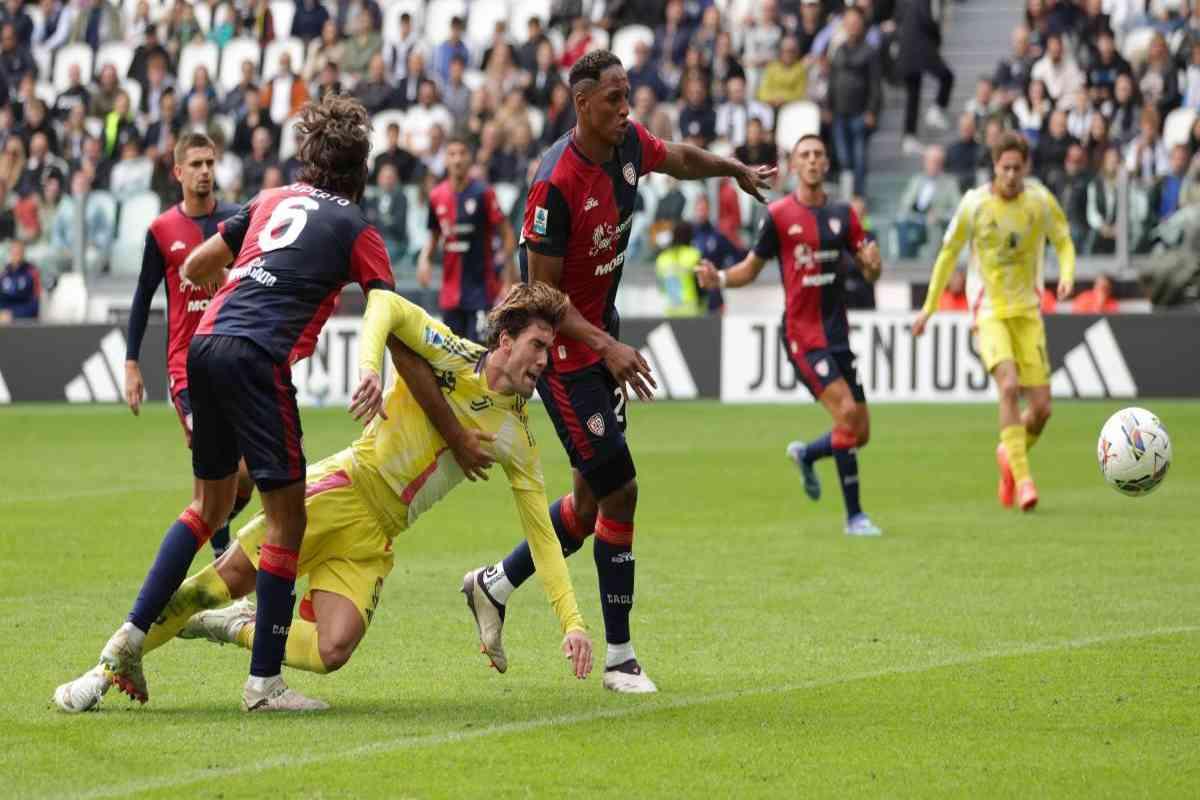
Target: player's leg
[(214, 462), (845, 403), (245, 493), (816, 370), (1033, 377), (997, 351)]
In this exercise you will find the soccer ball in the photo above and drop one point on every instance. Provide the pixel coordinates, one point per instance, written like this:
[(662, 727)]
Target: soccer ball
[(1134, 452)]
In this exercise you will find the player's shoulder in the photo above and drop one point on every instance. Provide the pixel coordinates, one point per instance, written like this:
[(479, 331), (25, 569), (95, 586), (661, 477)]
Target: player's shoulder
[(225, 210), (167, 219), (556, 164), (440, 189)]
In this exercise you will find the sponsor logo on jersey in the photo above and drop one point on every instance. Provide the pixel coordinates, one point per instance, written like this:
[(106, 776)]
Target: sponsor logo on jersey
[(595, 424), (835, 225), (255, 272), (590, 203), (178, 245), (469, 205), (794, 230), (611, 266), (541, 217), (606, 236), (197, 305), (630, 174), (819, 279)]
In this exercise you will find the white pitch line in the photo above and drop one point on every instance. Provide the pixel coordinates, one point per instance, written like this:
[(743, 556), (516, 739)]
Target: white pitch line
[(504, 729)]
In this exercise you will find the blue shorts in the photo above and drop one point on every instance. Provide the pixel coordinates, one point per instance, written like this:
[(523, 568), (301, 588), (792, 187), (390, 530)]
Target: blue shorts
[(587, 408), (183, 408), (816, 369), (463, 323), (243, 405)]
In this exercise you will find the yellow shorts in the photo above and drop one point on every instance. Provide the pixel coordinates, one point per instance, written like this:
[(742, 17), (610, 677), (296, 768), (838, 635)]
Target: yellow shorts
[(345, 550), (1019, 339)]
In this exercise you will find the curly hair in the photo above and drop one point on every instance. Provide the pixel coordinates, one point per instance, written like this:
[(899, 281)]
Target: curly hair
[(335, 140), (591, 67), (525, 303)]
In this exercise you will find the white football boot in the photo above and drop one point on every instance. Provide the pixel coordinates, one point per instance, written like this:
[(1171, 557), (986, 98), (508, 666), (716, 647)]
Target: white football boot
[(489, 617), (220, 625), (628, 678), (122, 661), (84, 693), (276, 696)]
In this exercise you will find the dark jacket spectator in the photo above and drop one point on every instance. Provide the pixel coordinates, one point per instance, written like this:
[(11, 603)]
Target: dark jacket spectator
[(14, 12), (1013, 71), (149, 48), (15, 61), (387, 210), (309, 18), (408, 166), (645, 72), (962, 156), (20, 286)]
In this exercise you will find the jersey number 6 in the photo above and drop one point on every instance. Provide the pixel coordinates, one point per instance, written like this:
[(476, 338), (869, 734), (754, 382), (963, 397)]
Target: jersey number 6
[(291, 215)]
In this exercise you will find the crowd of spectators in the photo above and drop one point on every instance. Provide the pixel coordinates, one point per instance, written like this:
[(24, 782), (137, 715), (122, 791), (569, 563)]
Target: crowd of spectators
[(1091, 84)]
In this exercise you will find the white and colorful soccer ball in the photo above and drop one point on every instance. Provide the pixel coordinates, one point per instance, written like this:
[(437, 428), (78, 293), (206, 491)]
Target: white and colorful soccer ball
[(1134, 451)]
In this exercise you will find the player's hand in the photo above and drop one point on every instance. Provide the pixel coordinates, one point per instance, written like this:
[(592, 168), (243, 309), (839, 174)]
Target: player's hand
[(756, 180), (577, 647), (870, 261), (367, 400), (472, 455), (135, 390), (424, 274), (628, 367), (1065, 288), (707, 275), (918, 326)]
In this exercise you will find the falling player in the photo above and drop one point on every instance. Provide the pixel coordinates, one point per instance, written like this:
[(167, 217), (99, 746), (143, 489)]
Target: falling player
[(577, 218), (465, 216), (170, 239), (359, 499), (809, 235), (1007, 223)]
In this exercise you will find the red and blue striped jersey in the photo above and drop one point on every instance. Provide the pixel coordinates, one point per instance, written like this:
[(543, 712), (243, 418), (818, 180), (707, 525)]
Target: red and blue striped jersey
[(810, 243), (581, 211), (468, 222), (296, 247)]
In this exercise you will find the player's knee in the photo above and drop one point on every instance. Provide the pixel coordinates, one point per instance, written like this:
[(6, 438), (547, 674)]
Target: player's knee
[(1008, 388), (1041, 415), (586, 511), (623, 502), (335, 651)]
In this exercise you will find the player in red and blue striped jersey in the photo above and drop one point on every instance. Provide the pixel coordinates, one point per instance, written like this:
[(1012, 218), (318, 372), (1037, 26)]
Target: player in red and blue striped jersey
[(810, 235), (576, 229), (170, 239), (464, 216)]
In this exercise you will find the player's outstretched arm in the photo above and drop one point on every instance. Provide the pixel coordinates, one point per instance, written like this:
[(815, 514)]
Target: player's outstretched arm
[(688, 163), (625, 363), (556, 580), (740, 274), (956, 237)]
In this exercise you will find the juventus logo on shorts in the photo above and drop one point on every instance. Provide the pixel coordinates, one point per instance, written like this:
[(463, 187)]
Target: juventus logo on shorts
[(595, 424)]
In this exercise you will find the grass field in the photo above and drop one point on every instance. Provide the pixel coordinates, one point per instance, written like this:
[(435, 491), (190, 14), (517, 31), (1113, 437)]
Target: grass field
[(969, 652)]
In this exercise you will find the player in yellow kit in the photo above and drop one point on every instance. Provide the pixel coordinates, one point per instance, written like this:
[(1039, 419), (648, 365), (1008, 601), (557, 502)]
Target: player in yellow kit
[(359, 499), (1007, 223)]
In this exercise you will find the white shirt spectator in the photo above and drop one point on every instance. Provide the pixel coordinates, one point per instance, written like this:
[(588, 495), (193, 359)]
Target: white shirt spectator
[(1062, 79), (130, 176), (1147, 162), (228, 172), (418, 122)]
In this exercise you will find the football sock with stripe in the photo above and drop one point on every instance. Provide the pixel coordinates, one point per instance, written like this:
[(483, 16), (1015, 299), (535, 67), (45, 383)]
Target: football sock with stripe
[(613, 551), (845, 453), (1013, 438), (202, 591), (185, 536), (518, 566), (275, 587), (821, 447), (303, 650)]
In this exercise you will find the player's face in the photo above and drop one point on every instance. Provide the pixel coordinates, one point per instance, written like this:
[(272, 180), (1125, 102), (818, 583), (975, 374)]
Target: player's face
[(458, 161), (529, 356), (1010, 174), (195, 174), (810, 162), (604, 111)]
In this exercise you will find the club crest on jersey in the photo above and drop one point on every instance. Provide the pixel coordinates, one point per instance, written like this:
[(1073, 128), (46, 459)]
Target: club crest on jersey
[(835, 225), (595, 424), (469, 205), (630, 174), (541, 217), (796, 230)]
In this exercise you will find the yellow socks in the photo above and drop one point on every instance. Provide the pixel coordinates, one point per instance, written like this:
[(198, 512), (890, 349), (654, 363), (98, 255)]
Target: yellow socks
[(202, 591), (302, 651), (1013, 438)]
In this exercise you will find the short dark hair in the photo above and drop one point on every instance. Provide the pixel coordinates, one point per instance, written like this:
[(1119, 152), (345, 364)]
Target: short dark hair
[(459, 139), (592, 66), (1011, 141), (335, 140), (855, 10), (525, 303), (806, 137), (190, 141)]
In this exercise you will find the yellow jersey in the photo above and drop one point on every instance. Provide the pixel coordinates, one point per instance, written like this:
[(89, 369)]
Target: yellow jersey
[(1008, 246), (403, 465)]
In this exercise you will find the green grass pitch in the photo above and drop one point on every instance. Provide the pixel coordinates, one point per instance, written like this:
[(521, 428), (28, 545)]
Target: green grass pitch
[(970, 652)]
